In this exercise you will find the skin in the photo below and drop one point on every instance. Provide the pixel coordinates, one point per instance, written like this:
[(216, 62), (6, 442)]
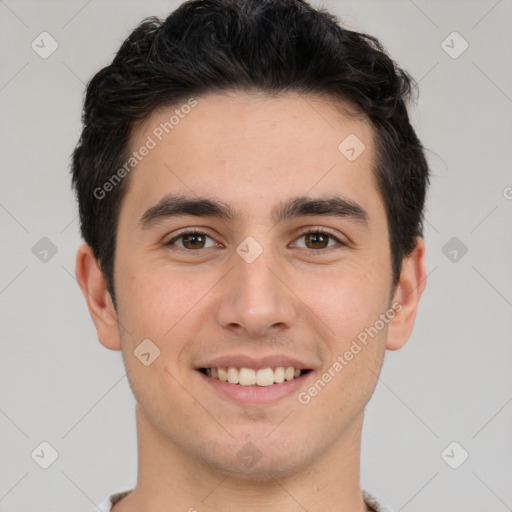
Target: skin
[(251, 152)]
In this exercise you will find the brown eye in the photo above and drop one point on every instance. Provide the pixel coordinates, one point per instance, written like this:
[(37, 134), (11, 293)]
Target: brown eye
[(192, 240), (318, 240)]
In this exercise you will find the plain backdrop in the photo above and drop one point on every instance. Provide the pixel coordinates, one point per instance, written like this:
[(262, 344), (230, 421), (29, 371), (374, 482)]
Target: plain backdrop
[(446, 393)]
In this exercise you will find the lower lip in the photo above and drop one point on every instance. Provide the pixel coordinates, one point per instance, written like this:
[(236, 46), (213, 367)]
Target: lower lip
[(251, 395)]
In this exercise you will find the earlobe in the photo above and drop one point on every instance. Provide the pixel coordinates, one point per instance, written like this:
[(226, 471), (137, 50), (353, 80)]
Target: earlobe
[(407, 296), (94, 288)]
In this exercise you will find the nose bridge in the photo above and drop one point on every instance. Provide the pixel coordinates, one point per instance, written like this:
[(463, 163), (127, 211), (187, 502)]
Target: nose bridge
[(256, 299)]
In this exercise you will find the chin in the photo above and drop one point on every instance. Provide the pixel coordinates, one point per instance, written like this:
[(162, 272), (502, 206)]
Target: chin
[(258, 461)]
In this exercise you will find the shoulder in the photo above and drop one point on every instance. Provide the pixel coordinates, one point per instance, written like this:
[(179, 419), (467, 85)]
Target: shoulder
[(107, 504), (374, 503)]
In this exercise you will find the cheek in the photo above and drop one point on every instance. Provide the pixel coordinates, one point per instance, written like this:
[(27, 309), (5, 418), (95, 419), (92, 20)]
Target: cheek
[(158, 390), (153, 299), (347, 307), (345, 299), (346, 383)]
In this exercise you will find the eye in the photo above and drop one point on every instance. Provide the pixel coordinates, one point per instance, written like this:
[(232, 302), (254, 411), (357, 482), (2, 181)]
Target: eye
[(191, 240), (318, 240)]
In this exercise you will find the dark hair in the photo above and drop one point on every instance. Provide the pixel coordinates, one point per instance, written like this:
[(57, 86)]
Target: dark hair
[(271, 46)]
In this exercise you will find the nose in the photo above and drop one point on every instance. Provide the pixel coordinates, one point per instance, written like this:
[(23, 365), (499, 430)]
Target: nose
[(256, 299)]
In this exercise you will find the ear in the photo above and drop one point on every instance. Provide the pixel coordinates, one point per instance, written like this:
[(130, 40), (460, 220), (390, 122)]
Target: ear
[(407, 296), (94, 287)]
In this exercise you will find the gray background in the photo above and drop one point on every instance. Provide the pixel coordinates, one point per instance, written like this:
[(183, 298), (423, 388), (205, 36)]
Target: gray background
[(451, 382)]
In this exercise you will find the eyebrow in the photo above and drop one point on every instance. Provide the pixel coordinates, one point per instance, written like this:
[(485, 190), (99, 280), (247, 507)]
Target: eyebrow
[(177, 205)]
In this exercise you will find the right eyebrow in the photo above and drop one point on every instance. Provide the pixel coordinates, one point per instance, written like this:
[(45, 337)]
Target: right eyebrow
[(173, 206)]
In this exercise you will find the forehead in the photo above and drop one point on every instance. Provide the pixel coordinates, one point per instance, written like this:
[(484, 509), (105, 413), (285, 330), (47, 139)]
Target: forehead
[(253, 117), (250, 148)]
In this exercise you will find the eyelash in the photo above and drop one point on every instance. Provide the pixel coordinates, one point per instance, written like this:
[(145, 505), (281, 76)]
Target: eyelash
[(313, 231)]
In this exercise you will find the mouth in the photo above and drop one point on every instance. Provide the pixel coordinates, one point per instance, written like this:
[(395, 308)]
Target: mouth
[(261, 377), (254, 387)]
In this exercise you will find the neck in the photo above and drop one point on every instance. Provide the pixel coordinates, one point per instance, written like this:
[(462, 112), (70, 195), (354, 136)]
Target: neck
[(170, 480)]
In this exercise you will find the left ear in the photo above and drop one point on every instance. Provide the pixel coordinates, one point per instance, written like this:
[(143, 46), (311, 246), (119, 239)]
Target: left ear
[(407, 296)]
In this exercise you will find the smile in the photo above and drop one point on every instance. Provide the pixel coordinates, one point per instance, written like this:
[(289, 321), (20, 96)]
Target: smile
[(254, 377)]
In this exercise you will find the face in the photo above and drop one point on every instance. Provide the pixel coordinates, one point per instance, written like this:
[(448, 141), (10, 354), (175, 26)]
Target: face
[(262, 280)]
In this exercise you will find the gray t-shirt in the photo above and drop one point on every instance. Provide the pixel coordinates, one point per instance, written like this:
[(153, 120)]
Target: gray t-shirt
[(106, 506)]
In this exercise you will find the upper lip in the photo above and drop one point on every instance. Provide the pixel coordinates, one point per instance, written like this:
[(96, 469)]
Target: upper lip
[(245, 361)]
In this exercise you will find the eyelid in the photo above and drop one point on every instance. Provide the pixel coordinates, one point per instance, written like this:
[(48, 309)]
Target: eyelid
[(307, 231), (188, 231), (323, 231)]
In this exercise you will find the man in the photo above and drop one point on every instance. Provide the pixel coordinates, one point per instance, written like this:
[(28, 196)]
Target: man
[(251, 196)]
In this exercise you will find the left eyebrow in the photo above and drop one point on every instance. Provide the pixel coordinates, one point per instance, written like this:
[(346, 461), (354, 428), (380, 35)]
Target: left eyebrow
[(178, 205), (331, 206)]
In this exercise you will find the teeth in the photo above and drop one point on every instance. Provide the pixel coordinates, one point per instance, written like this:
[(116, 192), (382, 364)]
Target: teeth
[(265, 377), (251, 377), (232, 375), (247, 377), (222, 374), (279, 374)]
